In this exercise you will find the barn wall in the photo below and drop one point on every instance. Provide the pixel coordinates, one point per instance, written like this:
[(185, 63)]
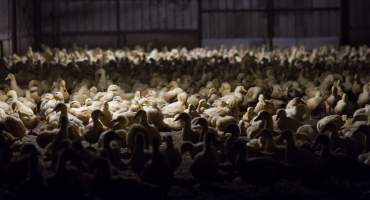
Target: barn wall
[(359, 33), (16, 26), (119, 23)]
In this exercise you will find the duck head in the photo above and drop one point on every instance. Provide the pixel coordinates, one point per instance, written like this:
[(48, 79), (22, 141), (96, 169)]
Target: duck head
[(184, 117), (141, 115), (12, 94), (202, 122), (10, 77), (240, 89), (120, 121), (281, 114), (323, 140), (61, 107), (263, 115), (233, 129), (96, 114), (286, 136)]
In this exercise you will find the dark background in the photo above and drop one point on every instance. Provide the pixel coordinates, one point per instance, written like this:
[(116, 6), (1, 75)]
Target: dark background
[(191, 23)]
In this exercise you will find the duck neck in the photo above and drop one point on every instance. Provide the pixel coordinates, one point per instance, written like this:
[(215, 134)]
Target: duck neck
[(269, 145), (97, 124), (242, 157), (144, 121), (63, 125), (13, 83), (290, 150), (34, 172), (366, 142), (186, 130), (325, 151)]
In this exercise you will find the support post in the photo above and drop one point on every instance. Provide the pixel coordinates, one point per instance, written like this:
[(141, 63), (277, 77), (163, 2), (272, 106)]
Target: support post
[(14, 26), (270, 23), (345, 26), (200, 24), (118, 22)]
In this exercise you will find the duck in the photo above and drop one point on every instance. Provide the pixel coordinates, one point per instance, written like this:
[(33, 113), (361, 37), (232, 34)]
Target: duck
[(151, 130), (205, 164), (263, 105), (95, 128), (63, 133), (283, 122), (333, 98), (343, 106), (172, 154), (337, 120), (177, 107), (220, 110), (262, 120), (364, 97), (14, 85), (232, 134), (15, 126), (252, 95), (221, 122), (298, 109), (139, 157), (235, 97), (106, 117), (111, 144), (157, 170), (316, 104), (249, 114), (101, 79), (188, 134), (263, 171), (338, 166), (120, 122), (107, 186)]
